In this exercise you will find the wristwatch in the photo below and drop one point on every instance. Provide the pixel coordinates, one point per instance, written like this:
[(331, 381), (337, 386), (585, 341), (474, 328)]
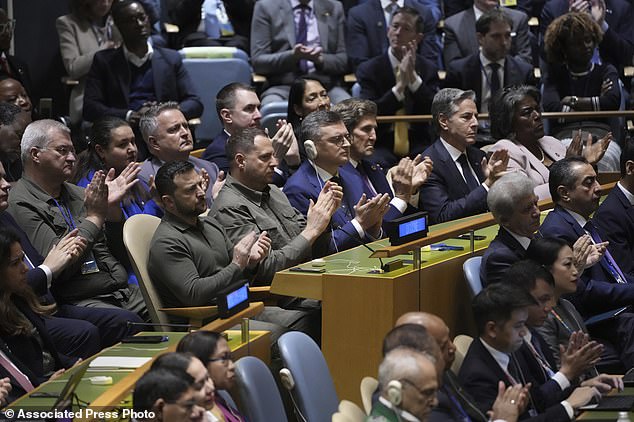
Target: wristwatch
[(573, 101)]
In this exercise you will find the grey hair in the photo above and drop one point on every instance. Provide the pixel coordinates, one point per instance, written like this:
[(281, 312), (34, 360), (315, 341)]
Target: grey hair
[(446, 102), (506, 193), (312, 124), (149, 120), (400, 363), (36, 136)]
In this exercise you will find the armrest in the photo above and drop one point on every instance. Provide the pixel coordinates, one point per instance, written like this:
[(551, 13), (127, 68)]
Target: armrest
[(263, 294), (195, 314)]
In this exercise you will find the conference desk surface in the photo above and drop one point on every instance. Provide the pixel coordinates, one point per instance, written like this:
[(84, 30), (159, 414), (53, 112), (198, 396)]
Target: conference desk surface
[(607, 415), (105, 397)]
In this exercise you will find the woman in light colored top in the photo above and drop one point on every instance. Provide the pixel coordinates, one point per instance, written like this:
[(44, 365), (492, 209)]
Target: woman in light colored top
[(516, 122), (86, 30)]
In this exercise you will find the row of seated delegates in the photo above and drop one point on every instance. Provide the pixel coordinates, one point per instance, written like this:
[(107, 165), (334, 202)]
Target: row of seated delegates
[(88, 28), (516, 122), (514, 206), (507, 350), (112, 145), (192, 259), (312, 43), (238, 108), (13, 121), (46, 207), (614, 17), (124, 82), (400, 81), (367, 29)]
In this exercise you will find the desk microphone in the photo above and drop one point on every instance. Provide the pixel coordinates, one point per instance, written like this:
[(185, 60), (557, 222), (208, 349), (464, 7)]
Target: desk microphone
[(360, 242)]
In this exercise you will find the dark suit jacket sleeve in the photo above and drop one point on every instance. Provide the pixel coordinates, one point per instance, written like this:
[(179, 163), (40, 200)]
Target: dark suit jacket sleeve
[(435, 199), (617, 228), (495, 266), (188, 101), (336, 62), (522, 40), (451, 49), (356, 38), (95, 91)]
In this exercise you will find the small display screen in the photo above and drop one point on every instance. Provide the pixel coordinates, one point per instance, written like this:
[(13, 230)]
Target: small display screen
[(411, 227), (237, 297)]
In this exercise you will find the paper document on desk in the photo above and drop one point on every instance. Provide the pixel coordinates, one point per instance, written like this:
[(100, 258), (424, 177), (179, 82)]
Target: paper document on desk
[(118, 362)]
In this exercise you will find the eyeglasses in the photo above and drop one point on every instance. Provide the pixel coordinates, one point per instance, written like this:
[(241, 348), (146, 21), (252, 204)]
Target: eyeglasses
[(7, 27), (62, 150), (224, 359), (428, 395), (339, 140)]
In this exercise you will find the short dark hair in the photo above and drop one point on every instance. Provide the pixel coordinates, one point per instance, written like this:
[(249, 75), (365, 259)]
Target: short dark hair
[(483, 24), (312, 124), (119, 6), (497, 302), (201, 344), (406, 10), (164, 179), (627, 154), (159, 384), (8, 112), (296, 96), (353, 110), (173, 361), (562, 174), (525, 273), (545, 250), (502, 109), (411, 336), (226, 97), (243, 141)]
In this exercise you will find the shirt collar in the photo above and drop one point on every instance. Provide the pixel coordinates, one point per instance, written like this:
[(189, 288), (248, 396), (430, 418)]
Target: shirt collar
[(477, 12), (252, 195), (323, 174), (136, 60), (454, 152), (578, 218), (501, 358), (485, 62), (386, 3), (179, 224), (354, 163), (627, 193), (296, 3), (394, 62), (523, 240), (404, 415)]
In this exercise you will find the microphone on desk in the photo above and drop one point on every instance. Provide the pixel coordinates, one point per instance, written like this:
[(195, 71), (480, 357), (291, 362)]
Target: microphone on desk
[(160, 324), (359, 242)]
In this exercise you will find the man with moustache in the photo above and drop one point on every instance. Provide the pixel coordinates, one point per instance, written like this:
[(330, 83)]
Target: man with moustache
[(168, 138), (458, 185)]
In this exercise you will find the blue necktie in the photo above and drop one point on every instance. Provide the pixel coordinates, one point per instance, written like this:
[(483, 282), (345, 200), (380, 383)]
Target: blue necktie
[(301, 36)]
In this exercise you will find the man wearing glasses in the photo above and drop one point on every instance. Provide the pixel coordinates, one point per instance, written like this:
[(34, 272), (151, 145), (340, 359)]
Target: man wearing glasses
[(327, 145)]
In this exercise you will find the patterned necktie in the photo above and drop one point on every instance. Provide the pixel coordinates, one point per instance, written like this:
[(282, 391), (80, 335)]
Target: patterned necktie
[(613, 267), (301, 36), (472, 182)]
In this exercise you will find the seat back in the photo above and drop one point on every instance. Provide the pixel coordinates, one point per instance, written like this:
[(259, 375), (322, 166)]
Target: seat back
[(368, 387), (462, 343), (352, 411), (138, 231), (314, 392), (208, 77), (471, 268), (260, 398)]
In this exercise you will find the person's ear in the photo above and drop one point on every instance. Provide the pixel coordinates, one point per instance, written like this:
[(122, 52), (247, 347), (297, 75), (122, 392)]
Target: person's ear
[(480, 38), (34, 154), (168, 202), (158, 406), (563, 193), (225, 116), (298, 110), (442, 122), (240, 159), (629, 168), (419, 38), (153, 144), (490, 329), (100, 152)]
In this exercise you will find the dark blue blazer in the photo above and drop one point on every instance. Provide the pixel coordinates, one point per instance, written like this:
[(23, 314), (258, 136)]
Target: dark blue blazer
[(445, 195), (376, 78), (615, 219), (480, 374), (366, 32), (305, 184), (597, 291), (215, 152), (447, 409), (503, 252), (466, 73), (108, 84), (617, 45)]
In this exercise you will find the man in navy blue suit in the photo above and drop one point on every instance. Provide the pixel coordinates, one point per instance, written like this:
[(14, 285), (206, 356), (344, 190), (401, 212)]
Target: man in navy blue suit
[(500, 312), (615, 216), (368, 22), (576, 192), (400, 81), (513, 203), (359, 116), (327, 146), (125, 81), (457, 186)]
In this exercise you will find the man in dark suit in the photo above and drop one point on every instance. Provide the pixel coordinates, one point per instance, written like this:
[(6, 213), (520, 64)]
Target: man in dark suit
[(368, 23), (615, 216), (500, 312), (10, 65), (327, 147), (400, 81), (492, 68), (292, 38), (457, 186), (459, 30), (615, 19), (125, 81), (513, 203)]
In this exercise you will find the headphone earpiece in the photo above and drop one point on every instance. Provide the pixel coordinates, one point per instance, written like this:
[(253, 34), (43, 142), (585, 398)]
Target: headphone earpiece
[(311, 149), (395, 392)]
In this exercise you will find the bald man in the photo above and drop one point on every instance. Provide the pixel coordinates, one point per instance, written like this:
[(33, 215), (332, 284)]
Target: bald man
[(453, 402)]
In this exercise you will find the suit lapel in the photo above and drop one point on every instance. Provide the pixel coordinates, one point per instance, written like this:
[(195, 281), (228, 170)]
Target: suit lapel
[(512, 243), (534, 162), (450, 169), (121, 67), (286, 12), (474, 158), (472, 41), (323, 13), (379, 17), (629, 209)]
